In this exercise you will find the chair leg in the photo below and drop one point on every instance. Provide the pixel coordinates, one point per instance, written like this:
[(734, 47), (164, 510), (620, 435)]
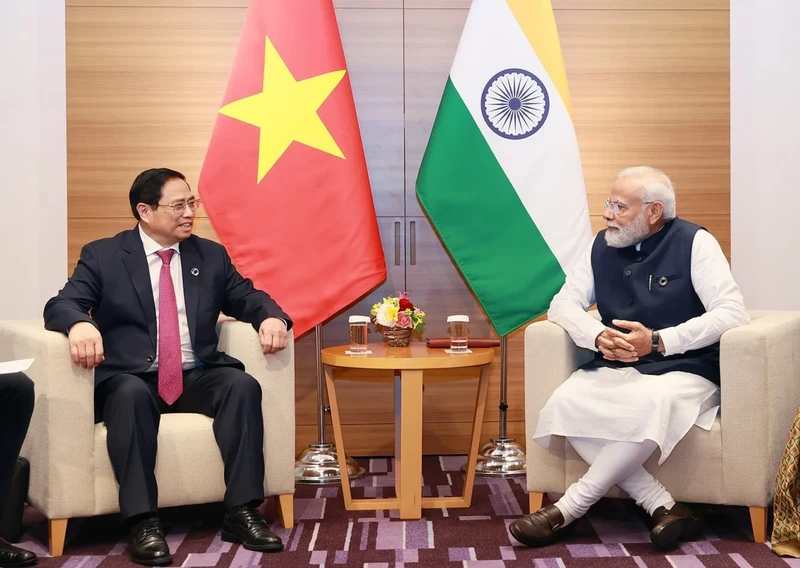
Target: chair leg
[(535, 501), (758, 518), (58, 534), (286, 510)]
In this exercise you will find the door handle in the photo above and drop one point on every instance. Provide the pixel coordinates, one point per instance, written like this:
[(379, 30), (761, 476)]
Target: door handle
[(413, 237), (397, 243)]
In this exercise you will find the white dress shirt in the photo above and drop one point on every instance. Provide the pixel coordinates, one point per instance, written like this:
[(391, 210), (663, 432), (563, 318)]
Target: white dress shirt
[(154, 265), (712, 281)]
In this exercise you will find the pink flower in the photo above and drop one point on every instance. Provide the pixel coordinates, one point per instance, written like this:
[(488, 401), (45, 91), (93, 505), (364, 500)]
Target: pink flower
[(404, 320), (402, 295)]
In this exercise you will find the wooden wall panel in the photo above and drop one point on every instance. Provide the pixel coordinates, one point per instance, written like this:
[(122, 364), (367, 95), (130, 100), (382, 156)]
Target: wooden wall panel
[(366, 403), (141, 93), (187, 4), (649, 81), (584, 5), (437, 439), (423, 4), (636, 42), (640, 5), (652, 88)]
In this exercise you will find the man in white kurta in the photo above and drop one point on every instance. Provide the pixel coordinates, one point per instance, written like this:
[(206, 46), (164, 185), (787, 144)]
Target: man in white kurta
[(665, 293)]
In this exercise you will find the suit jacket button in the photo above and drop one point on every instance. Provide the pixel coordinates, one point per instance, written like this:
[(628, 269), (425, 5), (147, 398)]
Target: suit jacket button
[(638, 259), (628, 273), (150, 358)]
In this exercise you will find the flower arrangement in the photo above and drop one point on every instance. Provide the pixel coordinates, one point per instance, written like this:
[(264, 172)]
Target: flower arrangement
[(396, 318)]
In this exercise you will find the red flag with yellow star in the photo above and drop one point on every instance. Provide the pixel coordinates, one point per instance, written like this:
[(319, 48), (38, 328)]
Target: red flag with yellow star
[(284, 180)]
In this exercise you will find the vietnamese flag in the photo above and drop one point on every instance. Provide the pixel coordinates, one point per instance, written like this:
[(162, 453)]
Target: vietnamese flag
[(284, 180)]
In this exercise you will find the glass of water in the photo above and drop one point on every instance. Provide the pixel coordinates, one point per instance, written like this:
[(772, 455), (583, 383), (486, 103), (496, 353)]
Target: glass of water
[(458, 333), (358, 334)]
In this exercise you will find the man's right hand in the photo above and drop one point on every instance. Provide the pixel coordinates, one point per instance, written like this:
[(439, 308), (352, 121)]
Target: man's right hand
[(86, 345), (614, 347)]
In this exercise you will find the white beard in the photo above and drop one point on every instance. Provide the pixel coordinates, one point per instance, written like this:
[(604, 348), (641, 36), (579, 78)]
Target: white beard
[(629, 235)]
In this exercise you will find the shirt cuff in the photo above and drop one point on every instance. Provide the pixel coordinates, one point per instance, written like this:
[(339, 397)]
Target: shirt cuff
[(669, 337), (593, 330)]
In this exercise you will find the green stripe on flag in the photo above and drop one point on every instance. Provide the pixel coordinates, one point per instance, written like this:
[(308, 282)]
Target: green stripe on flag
[(482, 222)]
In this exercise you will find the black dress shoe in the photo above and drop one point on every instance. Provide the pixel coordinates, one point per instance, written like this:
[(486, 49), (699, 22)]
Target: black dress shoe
[(12, 556), (674, 524), (147, 544), (246, 526), (542, 527)]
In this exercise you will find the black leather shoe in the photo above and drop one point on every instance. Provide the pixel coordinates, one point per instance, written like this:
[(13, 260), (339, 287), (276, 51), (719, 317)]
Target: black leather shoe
[(542, 527), (12, 556), (246, 526), (147, 544), (674, 524)]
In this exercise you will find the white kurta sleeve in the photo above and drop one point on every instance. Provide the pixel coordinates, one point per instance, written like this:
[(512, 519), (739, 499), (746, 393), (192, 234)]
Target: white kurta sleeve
[(719, 293), (568, 307)]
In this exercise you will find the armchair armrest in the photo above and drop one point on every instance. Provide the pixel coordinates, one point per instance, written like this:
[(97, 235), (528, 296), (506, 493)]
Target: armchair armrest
[(275, 373), (60, 440), (550, 358), (760, 384)]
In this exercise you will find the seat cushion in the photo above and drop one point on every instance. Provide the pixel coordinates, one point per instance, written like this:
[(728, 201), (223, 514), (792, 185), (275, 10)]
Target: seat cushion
[(189, 466)]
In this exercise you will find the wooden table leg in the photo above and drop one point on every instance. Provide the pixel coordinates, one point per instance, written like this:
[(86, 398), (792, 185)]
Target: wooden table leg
[(477, 423), (337, 436), (472, 459), (408, 443)]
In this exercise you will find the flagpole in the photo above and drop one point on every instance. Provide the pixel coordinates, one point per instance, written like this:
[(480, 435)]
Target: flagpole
[(319, 463), (502, 456)]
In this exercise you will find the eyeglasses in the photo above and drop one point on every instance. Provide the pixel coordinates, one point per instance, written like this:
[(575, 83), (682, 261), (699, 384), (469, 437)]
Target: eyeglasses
[(179, 208), (618, 207)]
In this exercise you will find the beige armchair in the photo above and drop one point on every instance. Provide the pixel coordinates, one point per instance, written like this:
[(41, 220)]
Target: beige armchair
[(71, 473), (733, 464)]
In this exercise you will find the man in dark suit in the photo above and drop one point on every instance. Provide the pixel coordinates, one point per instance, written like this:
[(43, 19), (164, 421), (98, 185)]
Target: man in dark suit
[(16, 408), (141, 308)]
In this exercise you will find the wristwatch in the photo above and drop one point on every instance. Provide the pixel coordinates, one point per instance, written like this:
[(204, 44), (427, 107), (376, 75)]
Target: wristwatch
[(654, 342)]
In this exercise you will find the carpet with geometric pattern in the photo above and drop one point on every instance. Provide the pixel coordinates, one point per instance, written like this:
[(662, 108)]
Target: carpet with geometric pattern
[(612, 535)]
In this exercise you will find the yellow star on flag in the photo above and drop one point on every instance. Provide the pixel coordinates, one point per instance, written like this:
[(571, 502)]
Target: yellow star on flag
[(286, 111)]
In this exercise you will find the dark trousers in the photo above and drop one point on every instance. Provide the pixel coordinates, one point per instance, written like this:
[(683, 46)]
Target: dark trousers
[(16, 408), (131, 409)]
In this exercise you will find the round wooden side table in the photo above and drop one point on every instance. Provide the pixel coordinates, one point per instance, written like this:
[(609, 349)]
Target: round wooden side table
[(408, 366)]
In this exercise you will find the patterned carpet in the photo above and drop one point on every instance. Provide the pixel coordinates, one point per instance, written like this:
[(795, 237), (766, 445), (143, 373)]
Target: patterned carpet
[(613, 535)]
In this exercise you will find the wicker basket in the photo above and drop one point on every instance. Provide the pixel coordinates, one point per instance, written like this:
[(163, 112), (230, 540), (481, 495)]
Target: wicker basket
[(396, 336)]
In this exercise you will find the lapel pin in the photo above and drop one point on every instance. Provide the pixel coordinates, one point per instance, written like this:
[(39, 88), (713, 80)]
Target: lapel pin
[(195, 271)]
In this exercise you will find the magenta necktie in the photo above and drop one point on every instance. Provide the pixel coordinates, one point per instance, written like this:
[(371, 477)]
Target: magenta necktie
[(170, 368)]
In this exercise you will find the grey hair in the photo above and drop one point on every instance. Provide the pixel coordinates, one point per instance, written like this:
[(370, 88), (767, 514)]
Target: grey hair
[(658, 188)]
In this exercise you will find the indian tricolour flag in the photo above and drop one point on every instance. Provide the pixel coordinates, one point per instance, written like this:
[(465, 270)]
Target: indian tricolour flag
[(501, 178)]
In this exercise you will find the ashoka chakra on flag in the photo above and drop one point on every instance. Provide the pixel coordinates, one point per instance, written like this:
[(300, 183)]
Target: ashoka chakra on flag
[(515, 103)]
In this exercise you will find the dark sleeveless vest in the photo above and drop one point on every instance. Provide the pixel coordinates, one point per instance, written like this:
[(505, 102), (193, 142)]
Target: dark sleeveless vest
[(654, 287)]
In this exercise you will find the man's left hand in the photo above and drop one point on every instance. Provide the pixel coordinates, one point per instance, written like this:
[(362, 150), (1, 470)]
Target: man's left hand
[(638, 335), (273, 335)]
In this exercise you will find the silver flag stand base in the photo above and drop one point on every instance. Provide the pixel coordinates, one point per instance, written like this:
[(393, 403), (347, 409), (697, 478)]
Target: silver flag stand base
[(319, 464), (501, 457)]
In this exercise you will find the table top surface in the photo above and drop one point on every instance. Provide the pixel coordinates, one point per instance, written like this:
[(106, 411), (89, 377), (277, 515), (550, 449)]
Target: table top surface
[(415, 356)]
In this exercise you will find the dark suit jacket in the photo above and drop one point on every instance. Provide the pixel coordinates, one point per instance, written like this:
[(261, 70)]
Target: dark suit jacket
[(112, 281)]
